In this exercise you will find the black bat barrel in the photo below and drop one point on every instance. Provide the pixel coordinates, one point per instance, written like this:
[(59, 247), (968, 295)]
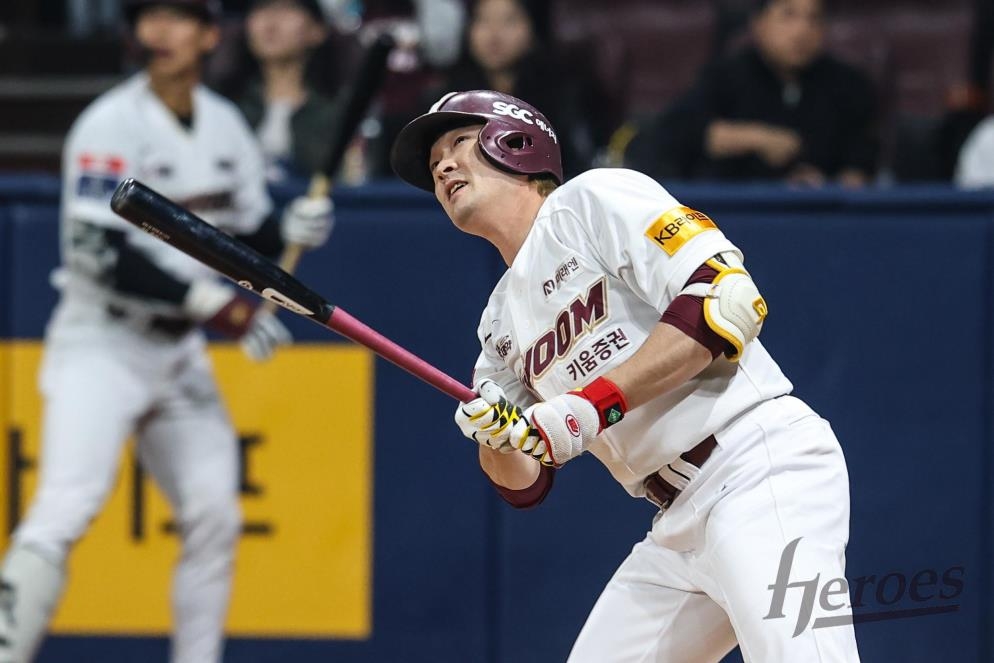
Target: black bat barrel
[(165, 220)]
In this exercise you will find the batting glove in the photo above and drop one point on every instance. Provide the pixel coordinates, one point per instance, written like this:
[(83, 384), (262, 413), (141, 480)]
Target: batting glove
[(487, 420), (562, 428), (265, 333), (218, 307), (308, 222)]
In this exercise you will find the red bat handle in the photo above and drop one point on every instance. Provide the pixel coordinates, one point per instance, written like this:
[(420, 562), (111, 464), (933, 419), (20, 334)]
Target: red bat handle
[(349, 327)]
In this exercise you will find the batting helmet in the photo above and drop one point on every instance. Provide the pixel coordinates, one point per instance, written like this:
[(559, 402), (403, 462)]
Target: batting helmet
[(208, 10), (515, 136)]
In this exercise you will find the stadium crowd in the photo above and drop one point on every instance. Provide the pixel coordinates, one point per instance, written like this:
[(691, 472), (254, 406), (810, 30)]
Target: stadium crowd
[(809, 92)]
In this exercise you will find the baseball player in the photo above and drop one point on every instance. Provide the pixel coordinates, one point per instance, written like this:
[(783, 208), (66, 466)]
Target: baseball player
[(625, 326), (124, 353)]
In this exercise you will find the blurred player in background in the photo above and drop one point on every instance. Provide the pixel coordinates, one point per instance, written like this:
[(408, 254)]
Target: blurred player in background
[(124, 353), (626, 326)]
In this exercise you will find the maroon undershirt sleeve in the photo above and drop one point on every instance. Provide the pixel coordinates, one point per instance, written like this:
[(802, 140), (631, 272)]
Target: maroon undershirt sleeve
[(686, 313), (531, 496)]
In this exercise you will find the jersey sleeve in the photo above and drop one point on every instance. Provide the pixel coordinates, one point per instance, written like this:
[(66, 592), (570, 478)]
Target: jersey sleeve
[(252, 200), (640, 233), (99, 153), (489, 366)]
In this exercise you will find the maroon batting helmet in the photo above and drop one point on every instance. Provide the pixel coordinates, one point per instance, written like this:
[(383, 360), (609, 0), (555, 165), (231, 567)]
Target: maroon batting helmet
[(208, 10), (515, 136)]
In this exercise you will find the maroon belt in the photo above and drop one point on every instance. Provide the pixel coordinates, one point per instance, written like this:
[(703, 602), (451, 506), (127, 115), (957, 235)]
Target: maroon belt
[(661, 492)]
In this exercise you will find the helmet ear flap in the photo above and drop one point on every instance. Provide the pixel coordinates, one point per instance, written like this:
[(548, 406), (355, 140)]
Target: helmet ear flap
[(511, 149), (516, 142)]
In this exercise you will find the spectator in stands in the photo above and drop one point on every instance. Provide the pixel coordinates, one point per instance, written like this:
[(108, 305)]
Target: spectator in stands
[(292, 118), (780, 108), (508, 47), (975, 166)]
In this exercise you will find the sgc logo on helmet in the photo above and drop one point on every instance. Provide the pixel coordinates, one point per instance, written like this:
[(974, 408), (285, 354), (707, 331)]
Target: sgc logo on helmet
[(512, 110)]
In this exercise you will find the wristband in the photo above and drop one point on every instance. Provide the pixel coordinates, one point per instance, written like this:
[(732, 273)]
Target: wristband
[(607, 399)]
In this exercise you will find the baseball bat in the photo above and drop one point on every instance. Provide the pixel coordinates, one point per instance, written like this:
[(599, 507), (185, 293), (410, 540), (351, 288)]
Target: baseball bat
[(164, 219), (364, 88)]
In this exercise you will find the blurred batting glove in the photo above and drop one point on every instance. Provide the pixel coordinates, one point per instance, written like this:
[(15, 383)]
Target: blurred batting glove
[(562, 428), (308, 222), (264, 335), (218, 307), (487, 420)]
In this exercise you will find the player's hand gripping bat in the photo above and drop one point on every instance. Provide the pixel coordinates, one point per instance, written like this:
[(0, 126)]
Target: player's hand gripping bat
[(367, 82), (179, 227)]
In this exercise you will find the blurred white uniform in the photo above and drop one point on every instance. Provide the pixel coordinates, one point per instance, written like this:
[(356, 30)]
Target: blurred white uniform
[(975, 167), (607, 254), (118, 363)]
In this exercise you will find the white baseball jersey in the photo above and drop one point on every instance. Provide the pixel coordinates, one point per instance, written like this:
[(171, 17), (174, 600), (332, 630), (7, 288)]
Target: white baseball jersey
[(607, 254), (214, 168)]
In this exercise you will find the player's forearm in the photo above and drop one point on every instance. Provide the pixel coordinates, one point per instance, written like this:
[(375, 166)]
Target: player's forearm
[(666, 360), (515, 471), (266, 240), (133, 273)]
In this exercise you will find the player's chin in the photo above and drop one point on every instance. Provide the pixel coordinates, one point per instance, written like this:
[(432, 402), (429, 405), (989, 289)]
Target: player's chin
[(168, 67), (459, 213)]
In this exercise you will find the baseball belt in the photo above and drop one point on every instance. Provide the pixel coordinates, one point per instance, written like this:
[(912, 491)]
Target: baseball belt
[(661, 492), (171, 327)]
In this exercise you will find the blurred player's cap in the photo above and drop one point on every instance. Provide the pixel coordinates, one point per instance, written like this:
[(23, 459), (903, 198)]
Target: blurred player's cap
[(208, 10), (515, 136), (312, 7)]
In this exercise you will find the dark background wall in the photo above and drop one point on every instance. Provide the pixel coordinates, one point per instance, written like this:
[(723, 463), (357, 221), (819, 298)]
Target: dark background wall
[(880, 314)]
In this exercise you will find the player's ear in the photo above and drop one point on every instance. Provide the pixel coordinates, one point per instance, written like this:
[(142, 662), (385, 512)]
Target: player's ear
[(315, 34), (210, 38)]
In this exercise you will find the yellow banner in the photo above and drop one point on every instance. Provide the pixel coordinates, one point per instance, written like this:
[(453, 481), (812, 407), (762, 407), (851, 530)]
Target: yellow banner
[(304, 562)]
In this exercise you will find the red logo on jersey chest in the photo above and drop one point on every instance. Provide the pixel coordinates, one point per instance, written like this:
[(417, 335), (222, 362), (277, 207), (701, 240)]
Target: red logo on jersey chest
[(573, 425)]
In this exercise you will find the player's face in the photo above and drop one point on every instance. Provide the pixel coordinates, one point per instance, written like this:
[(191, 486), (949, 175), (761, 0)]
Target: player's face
[(465, 182), (500, 34), (282, 31), (790, 33), (176, 40)]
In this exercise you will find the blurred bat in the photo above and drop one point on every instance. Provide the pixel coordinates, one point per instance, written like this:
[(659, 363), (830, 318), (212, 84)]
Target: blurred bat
[(367, 83), (182, 229)]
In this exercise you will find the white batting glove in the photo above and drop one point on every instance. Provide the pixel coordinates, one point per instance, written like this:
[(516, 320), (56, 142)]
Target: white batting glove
[(562, 428), (265, 333), (487, 420), (206, 297), (557, 430), (308, 222), (219, 308)]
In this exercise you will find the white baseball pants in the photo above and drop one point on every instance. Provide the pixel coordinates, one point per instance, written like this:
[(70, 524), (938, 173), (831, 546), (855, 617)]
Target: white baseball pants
[(701, 580), (100, 385)]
